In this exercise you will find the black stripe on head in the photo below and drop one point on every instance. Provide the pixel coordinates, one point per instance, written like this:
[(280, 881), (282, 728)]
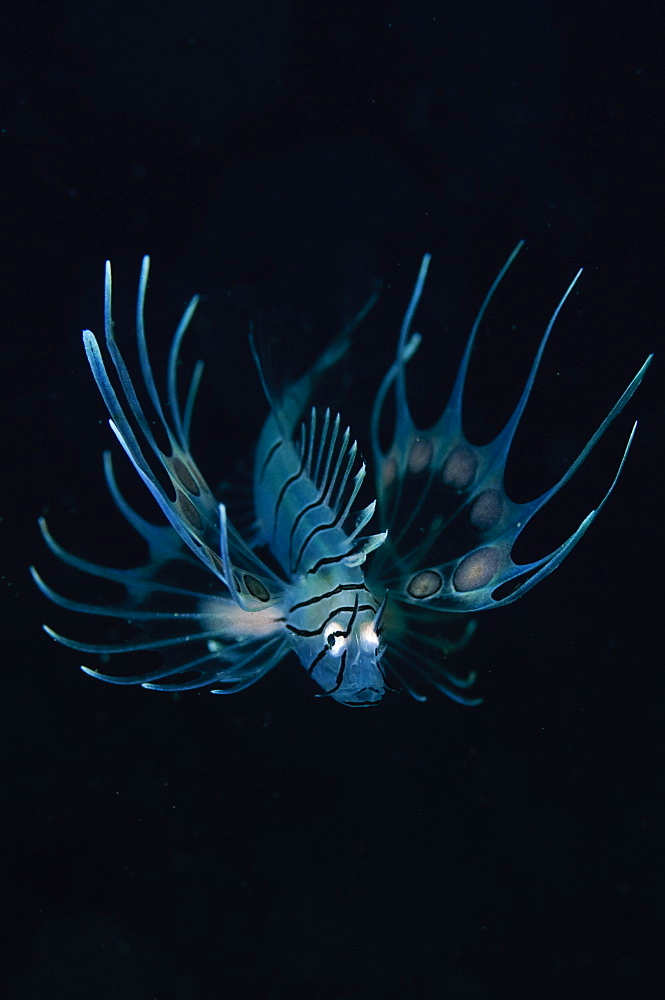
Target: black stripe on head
[(306, 634), (330, 593), (317, 659), (340, 675)]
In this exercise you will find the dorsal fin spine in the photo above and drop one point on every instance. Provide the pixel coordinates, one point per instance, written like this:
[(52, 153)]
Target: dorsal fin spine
[(343, 448), (322, 441)]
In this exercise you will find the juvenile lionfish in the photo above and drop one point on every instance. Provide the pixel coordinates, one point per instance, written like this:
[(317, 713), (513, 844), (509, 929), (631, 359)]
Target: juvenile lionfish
[(446, 531)]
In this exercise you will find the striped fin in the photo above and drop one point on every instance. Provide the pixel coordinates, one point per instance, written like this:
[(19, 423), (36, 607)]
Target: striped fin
[(189, 505), (327, 460)]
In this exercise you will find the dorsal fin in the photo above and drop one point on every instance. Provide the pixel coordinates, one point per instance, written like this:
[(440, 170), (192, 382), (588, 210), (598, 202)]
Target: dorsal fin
[(327, 459), (288, 402)]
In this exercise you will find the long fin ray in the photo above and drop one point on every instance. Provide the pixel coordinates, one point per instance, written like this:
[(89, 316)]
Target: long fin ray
[(194, 511), (441, 492), (469, 584)]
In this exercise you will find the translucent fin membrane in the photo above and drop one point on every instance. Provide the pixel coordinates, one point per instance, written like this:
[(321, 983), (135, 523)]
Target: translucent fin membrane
[(215, 614), (190, 507), (450, 492), (201, 634)]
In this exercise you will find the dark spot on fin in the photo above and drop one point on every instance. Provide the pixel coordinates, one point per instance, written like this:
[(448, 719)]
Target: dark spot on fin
[(459, 469), (187, 509), (185, 476), (476, 571), (256, 588), (424, 584), (486, 510)]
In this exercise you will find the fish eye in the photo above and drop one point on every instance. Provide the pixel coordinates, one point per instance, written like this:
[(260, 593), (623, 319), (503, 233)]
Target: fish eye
[(336, 639)]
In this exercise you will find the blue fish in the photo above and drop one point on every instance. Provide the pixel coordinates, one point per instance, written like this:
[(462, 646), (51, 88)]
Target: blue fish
[(363, 612)]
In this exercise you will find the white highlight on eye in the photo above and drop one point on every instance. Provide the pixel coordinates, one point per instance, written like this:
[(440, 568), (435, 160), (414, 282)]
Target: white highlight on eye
[(335, 639), (369, 640)]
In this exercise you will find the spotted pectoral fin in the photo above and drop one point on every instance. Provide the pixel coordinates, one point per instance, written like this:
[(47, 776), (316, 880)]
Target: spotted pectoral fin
[(419, 463), (252, 585), (172, 476), (452, 526), (486, 576)]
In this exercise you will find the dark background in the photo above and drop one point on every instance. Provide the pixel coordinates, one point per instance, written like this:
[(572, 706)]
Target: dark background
[(279, 158)]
